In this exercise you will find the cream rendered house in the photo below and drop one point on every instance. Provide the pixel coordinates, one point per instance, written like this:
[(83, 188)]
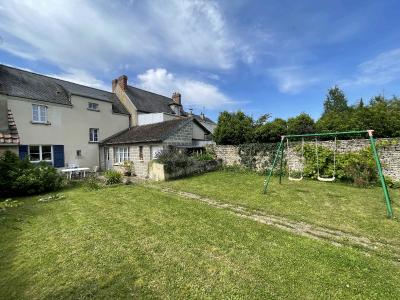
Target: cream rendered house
[(58, 121), (67, 124)]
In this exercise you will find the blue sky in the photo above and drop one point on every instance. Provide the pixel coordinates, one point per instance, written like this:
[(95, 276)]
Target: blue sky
[(277, 57)]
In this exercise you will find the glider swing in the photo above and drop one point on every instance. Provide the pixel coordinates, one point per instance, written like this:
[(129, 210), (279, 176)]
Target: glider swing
[(280, 150)]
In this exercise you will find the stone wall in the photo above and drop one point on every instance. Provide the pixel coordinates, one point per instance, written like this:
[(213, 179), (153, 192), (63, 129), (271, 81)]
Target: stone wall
[(157, 171), (182, 137), (389, 153)]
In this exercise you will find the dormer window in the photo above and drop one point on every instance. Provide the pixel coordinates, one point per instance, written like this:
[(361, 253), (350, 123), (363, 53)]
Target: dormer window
[(93, 106), (39, 113)]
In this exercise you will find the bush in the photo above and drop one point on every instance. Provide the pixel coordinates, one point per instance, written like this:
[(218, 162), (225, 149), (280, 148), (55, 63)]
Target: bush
[(355, 167), (91, 183), (24, 178), (205, 156), (174, 160), (113, 177)]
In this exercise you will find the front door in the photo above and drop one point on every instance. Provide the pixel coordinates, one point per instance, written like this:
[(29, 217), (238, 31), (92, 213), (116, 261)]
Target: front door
[(107, 161)]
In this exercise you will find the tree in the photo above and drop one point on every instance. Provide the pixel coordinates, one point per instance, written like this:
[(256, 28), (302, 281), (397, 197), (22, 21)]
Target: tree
[(262, 120), (335, 101), (301, 124), (270, 132), (233, 128)]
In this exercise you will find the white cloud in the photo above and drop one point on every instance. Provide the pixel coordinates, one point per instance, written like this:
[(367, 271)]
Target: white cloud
[(196, 94), (82, 77), (292, 80), (100, 35), (382, 69)]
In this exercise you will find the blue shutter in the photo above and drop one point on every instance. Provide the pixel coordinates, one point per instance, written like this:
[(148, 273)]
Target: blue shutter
[(58, 153), (23, 151)]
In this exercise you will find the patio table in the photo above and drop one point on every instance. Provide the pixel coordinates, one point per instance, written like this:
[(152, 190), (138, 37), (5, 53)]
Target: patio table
[(72, 170)]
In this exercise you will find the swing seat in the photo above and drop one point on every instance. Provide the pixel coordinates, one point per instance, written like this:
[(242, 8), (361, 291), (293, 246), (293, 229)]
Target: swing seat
[(295, 179), (329, 179)]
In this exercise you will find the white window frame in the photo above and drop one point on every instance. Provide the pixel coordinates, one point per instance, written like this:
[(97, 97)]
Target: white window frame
[(93, 106), (41, 154), (121, 154), (41, 113), (93, 135)]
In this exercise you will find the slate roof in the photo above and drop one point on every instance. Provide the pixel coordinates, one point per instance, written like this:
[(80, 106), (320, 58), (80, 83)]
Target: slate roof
[(10, 135), (156, 132), (25, 84), (198, 118), (149, 102)]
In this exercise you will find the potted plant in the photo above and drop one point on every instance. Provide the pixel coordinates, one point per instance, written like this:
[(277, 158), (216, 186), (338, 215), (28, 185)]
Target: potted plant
[(128, 167)]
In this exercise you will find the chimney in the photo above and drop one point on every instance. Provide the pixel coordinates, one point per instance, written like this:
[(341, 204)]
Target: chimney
[(176, 97), (190, 112), (114, 84), (202, 116), (123, 82)]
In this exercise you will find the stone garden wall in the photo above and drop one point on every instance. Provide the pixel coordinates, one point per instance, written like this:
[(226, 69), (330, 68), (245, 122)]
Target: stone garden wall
[(157, 171), (389, 153)]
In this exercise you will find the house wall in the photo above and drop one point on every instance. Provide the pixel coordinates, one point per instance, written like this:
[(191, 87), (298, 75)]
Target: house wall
[(69, 126), (198, 132), (12, 148), (183, 137), (151, 118), (141, 166)]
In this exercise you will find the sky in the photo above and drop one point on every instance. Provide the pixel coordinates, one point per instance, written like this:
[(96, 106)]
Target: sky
[(278, 57)]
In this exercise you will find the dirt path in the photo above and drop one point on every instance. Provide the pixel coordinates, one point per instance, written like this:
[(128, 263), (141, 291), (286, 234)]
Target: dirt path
[(335, 237)]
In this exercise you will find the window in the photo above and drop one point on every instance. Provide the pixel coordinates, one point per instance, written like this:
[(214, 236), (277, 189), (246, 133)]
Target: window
[(93, 106), (79, 153), (140, 152), (39, 113), (121, 154), (39, 153), (93, 135)]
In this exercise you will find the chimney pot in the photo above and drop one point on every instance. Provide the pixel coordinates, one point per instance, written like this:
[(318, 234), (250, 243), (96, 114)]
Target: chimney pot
[(202, 116), (190, 112), (176, 97), (123, 82), (114, 83)]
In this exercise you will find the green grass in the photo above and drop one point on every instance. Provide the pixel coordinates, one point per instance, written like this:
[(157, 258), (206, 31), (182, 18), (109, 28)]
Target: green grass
[(136, 242), (360, 211)]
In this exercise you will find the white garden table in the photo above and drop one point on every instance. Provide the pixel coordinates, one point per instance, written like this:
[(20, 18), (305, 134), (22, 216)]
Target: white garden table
[(72, 170)]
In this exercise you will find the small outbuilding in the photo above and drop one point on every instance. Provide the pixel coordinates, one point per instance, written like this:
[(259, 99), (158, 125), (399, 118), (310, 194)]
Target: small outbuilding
[(140, 144)]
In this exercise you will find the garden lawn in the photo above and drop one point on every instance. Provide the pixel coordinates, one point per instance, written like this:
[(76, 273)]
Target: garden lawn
[(136, 242), (360, 211)]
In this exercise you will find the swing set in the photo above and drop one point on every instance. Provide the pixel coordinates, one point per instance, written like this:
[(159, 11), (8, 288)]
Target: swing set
[(280, 150)]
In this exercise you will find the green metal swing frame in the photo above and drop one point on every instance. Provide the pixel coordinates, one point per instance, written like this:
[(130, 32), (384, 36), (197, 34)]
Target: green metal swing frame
[(280, 150)]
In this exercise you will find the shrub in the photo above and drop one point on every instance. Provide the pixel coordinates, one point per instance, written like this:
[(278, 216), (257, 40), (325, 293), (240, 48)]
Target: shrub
[(355, 167), (204, 156), (173, 160), (24, 178), (91, 183), (113, 177)]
